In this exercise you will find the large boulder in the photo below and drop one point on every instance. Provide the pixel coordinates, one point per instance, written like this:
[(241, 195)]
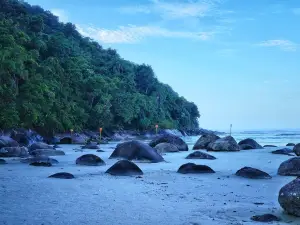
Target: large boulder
[(252, 173), (62, 175), (193, 168), (284, 151), (47, 152), (25, 137), (289, 197), (205, 140), (251, 142), (124, 168), (76, 138), (296, 149), (136, 150), (166, 147), (290, 167), (7, 142), (39, 145), (200, 155), (44, 159), (90, 160), (226, 144), (14, 152), (171, 139)]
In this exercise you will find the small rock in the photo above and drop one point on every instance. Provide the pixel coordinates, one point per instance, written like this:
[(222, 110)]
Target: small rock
[(290, 144), (62, 175), (90, 160), (252, 173), (43, 164), (90, 146), (200, 155), (2, 161), (124, 168), (270, 146), (284, 151), (193, 168), (47, 152), (44, 159), (265, 218)]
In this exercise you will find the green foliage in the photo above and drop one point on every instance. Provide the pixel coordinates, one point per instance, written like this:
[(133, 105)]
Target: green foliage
[(52, 79)]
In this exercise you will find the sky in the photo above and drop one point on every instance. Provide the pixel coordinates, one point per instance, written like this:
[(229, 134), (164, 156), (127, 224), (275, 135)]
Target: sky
[(237, 60)]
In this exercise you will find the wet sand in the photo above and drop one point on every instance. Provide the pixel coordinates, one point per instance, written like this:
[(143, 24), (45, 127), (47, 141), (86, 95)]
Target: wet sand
[(160, 196)]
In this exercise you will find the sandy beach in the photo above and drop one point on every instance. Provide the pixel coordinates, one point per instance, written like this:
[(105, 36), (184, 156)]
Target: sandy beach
[(160, 196)]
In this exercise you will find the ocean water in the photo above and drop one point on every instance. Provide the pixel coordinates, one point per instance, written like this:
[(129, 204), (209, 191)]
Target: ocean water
[(263, 137)]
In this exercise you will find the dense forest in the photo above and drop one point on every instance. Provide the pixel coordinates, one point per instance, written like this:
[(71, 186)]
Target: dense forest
[(53, 79)]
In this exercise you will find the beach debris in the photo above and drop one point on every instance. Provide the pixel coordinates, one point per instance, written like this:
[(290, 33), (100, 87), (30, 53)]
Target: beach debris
[(252, 173), (205, 140), (171, 139), (290, 167), (90, 160), (136, 150), (200, 155), (289, 197), (124, 168), (62, 175), (194, 169)]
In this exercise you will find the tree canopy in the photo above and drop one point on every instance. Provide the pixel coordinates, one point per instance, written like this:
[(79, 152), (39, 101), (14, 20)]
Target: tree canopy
[(53, 79)]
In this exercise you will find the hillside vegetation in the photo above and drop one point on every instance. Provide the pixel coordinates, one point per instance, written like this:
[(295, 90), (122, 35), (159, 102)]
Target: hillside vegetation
[(53, 79)]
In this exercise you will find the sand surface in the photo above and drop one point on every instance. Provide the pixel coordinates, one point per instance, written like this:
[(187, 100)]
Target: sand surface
[(161, 196)]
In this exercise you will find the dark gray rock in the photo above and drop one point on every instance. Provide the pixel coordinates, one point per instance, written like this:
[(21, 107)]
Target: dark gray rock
[(284, 151), (166, 147), (290, 144), (200, 155), (289, 197), (124, 168), (42, 164), (90, 160), (227, 144), (75, 138), (194, 169), (290, 167), (296, 149), (246, 147), (252, 173), (270, 146), (62, 175), (265, 218), (136, 150), (90, 146), (205, 140), (47, 152), (25, 137), (2, 161), (39, 145), (44, 159), (14, 152), (7, 142), (171, 139), (251, 142)]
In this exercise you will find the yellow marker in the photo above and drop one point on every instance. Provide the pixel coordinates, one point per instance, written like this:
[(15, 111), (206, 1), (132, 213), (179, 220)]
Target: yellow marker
[(100, 129)]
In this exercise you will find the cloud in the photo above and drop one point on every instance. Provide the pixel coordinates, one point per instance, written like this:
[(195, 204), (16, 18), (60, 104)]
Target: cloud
[(133, 34), (284, 45), (296, 11), (61, 14), (177, 10)]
